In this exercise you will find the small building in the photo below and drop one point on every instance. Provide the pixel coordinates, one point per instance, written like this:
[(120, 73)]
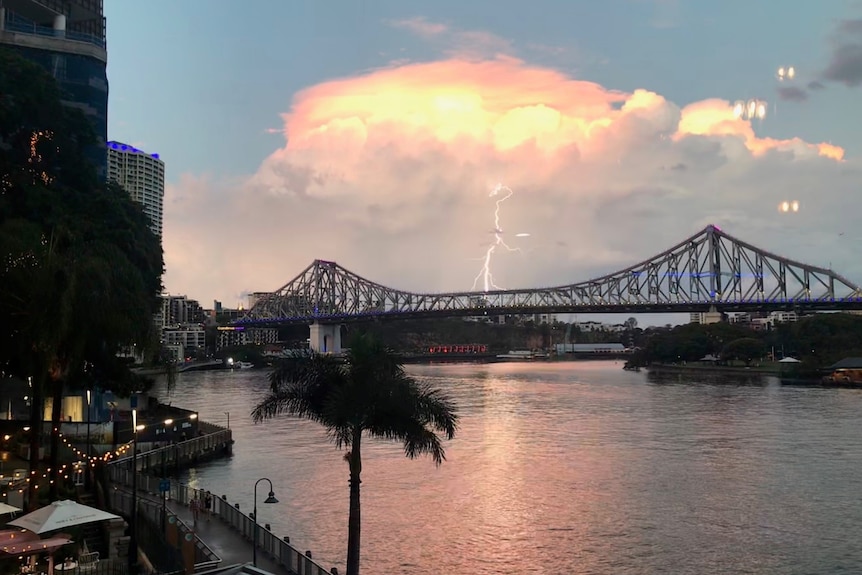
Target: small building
[(848, 370)]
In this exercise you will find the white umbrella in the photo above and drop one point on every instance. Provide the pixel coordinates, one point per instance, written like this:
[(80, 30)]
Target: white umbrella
[(6, 508), (789, 360), (59, 515)]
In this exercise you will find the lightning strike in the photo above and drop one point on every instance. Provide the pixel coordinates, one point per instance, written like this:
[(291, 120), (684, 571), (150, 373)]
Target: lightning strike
[(485, 273)]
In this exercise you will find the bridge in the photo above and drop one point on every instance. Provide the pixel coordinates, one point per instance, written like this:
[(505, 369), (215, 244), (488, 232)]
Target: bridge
[(710, 271)]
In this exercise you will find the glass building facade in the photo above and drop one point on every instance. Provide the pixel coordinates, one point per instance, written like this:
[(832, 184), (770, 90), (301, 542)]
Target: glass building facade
[(66, 38)]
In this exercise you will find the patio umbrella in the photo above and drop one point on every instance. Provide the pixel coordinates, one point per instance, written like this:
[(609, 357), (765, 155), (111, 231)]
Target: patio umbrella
[(36, 545), (789, 360), (15, 535), (59, 515), (6, 508)]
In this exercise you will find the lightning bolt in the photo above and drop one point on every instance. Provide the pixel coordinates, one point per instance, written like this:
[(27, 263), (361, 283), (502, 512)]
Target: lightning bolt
[(485, 273)]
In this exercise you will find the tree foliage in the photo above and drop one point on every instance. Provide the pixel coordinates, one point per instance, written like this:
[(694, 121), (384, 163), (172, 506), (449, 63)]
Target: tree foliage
[(745, 349), (80, 270)]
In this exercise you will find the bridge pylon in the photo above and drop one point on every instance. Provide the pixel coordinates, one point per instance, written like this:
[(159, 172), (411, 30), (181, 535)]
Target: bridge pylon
[(325, 337)]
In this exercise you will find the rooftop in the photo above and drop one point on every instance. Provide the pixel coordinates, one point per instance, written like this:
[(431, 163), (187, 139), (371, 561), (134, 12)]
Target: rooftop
[(121, 147), (848, 363)]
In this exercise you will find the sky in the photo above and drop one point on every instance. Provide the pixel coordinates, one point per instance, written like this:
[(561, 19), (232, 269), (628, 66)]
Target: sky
[(374, 133)]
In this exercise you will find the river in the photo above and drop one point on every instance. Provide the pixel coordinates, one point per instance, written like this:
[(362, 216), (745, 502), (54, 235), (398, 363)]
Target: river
[(567, 468)]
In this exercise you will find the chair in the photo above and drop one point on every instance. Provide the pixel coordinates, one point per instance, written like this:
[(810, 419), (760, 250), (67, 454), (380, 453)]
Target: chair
[(88, 562)]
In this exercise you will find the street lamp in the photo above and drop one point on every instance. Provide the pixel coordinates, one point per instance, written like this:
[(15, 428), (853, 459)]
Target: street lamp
[(270, 499), (88, 469), (133, 527), (168, 422)]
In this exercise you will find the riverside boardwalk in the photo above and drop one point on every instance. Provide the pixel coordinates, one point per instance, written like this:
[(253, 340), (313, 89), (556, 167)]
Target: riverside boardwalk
[(220, 539)]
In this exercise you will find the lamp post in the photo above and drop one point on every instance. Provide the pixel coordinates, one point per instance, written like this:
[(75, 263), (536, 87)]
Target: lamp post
[(168, 422), (133, 527), (88, 425), (88, 468), (270, 499)]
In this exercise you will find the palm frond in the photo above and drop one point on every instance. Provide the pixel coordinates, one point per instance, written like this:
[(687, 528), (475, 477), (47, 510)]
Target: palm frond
[(423, 441), (404, 410), (369, 391), (435, 408), (294, 401), (314, 387)]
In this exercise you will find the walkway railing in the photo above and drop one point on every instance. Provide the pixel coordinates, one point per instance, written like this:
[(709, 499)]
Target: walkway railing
[(281, 551), (219, 438)]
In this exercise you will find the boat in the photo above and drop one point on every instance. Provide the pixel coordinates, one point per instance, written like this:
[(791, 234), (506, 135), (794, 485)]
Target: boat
[(232, 364), (517, 355)]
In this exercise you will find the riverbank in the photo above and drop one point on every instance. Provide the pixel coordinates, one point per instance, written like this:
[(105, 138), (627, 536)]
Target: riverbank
[(787, 375), (763, 369)]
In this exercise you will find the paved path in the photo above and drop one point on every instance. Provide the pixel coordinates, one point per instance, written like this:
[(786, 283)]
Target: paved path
[(227, 543)]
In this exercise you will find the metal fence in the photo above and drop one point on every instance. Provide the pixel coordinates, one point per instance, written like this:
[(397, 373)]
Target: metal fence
[(206, 445), (151, 534), (281, 551), (117, 567)]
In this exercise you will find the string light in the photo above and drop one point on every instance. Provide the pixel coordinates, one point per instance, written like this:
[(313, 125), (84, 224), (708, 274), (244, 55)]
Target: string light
[(96, 458)]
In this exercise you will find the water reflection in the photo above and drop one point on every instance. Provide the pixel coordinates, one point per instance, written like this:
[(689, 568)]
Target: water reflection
[(572, 468)]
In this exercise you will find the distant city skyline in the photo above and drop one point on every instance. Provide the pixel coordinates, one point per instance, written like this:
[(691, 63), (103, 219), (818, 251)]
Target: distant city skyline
[(372, 135)]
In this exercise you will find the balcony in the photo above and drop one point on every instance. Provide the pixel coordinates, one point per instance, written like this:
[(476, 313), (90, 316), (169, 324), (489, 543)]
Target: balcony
[(19, 25)]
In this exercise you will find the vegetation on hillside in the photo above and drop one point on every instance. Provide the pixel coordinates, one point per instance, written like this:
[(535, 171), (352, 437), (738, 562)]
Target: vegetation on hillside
[(818, 341)]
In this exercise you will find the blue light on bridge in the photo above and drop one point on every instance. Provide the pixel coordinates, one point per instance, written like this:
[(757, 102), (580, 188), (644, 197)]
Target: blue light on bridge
[(699, 275)]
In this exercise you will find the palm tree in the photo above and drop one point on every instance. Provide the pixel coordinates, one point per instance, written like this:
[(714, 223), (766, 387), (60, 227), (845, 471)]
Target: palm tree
[(367, 393)]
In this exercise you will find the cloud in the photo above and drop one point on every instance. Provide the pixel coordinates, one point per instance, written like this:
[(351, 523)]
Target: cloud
[(420, 26), (845, 62), (459, 43), (667, 14), (792, 93), (389, 174), (456, 42)]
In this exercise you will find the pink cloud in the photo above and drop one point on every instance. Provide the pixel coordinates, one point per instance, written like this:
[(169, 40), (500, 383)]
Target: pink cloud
[(389, 172)]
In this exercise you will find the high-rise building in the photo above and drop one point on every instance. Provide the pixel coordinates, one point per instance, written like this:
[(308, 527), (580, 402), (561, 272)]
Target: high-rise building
[(142, 175), (67, 38)]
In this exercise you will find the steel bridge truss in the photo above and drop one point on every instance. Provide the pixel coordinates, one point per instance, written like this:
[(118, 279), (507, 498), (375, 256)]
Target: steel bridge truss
[(709, 269)]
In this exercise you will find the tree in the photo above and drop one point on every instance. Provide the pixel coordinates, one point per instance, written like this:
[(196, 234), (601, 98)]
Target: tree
[(745, 349), (82, 271), (366, 394)]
